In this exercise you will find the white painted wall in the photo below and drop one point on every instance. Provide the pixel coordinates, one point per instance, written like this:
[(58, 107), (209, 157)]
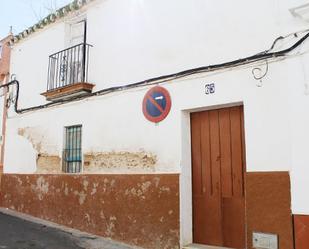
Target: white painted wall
[(30, 65), (137, 39), (299, 103)]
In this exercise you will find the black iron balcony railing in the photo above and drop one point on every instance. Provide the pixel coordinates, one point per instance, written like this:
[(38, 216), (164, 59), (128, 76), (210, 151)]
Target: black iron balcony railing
[(68, 67)]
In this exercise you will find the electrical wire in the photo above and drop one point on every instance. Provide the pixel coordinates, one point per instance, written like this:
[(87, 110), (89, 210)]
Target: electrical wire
[(157, 80), (258, 70), (7, 85)]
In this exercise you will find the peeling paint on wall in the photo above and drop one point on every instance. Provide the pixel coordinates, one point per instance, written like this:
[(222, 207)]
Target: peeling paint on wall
[(138, 191), (47, 158), (33, 136), (113, 161), (140, 210), (101, 162), (81, 196), (40, 188), (48, 164)]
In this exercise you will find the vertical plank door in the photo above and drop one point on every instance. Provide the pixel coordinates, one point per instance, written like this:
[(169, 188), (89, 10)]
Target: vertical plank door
[(218, 166)]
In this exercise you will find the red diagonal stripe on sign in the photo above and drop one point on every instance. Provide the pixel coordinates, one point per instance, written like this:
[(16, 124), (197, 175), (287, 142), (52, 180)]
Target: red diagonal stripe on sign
[(155, 104)]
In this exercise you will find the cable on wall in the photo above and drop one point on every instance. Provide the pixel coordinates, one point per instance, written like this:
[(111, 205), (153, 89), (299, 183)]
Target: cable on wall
[(258, 74), (156, 80)]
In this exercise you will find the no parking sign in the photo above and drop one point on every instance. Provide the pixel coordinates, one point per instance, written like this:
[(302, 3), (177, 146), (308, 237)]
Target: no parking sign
[(156, 104)]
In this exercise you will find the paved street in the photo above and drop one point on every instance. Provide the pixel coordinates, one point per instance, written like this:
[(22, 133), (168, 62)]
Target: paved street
[(17, 233)]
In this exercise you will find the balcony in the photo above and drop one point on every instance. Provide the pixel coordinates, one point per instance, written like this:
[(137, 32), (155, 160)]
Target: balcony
[(68, 73)]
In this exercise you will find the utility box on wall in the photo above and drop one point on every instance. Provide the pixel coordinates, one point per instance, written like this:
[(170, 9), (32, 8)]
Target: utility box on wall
[(264, 240)]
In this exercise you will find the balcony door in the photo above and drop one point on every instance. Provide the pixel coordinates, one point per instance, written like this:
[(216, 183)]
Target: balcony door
[(77, 38), (218, 167), (77, 33)]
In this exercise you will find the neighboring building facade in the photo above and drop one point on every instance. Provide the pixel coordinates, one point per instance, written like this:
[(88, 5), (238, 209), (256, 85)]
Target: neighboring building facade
[(229, 159), (5, 57), (5, 52)]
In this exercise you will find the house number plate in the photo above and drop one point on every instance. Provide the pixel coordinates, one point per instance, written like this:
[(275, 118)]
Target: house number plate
[(210, 88)]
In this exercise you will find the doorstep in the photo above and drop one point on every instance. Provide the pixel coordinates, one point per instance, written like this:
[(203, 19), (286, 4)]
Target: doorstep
[(199, 246)]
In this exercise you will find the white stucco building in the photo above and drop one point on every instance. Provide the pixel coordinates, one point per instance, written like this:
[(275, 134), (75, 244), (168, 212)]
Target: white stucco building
[(118, 43)]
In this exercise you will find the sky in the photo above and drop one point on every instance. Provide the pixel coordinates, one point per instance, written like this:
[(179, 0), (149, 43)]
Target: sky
[(21, 14)]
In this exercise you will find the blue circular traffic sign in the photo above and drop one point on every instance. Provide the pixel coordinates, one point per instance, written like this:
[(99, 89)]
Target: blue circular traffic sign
[(156, 104)]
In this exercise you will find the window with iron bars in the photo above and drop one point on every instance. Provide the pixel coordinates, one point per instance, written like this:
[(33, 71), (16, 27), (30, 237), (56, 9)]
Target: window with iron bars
[(72, 152)]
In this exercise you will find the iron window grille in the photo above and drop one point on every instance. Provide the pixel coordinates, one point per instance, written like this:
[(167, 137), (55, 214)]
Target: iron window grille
[(72, 153)]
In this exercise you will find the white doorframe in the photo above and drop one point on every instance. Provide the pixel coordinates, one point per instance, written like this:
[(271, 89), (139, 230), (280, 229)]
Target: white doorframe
[(186, 229)]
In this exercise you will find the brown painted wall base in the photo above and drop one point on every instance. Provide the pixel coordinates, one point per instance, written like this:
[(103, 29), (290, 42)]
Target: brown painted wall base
[(301, 230), (140, 210), (143, 210), (269, 206)]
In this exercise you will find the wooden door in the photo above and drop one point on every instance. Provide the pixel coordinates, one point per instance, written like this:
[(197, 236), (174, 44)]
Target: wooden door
[(218, 166)]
